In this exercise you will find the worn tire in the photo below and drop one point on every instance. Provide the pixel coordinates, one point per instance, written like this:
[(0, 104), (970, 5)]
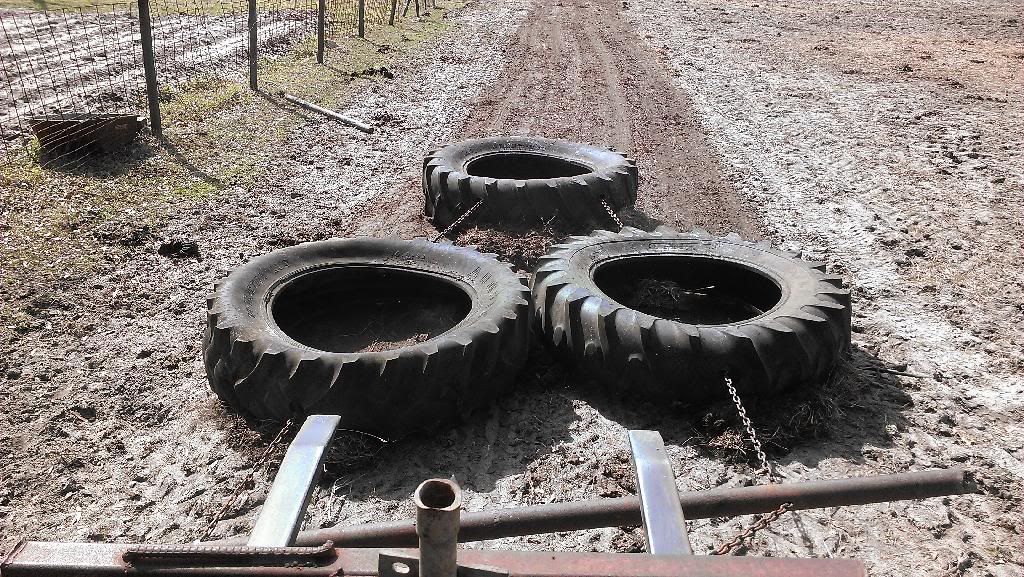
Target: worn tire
[(527, 181), (792, 334), (265, 373)]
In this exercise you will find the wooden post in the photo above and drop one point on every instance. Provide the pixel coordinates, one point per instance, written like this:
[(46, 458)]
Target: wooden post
[(149, 66), (254, 55), (321, 18), (362, 18)]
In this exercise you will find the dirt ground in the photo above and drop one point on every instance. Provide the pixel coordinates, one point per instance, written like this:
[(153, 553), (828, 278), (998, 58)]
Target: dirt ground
[(883, 139)]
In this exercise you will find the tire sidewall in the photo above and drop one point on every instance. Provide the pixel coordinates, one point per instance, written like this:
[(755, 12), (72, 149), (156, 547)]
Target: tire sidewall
[(795, 341), (795, 281), (250, 291), (459, 156)]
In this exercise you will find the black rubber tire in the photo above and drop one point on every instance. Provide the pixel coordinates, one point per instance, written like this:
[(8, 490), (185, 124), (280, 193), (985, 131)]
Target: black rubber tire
[(527, 194), (795, 341), (266, 374)]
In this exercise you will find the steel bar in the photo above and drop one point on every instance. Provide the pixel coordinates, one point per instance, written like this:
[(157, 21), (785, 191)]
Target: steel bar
[(282, 512), (438, 502), (41, 559), (625, 511), (347, 120), (149, 67), (662, 515)]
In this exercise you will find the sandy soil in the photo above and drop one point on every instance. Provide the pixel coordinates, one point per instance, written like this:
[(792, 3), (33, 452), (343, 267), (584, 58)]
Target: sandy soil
[(885, 139), (109, 430), (863, 135)]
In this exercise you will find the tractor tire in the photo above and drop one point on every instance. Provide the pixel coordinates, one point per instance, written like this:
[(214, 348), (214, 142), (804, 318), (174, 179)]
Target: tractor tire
[(394, 335), (666, 316), (527, 182)]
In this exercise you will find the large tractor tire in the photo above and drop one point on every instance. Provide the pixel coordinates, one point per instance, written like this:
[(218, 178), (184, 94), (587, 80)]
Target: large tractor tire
[(527, 181), (393, 335), (668, 316)]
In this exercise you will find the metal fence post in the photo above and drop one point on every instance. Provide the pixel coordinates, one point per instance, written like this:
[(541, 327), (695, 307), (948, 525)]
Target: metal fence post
[(362, 18), (321, 17), (149, 65), (253, 53)]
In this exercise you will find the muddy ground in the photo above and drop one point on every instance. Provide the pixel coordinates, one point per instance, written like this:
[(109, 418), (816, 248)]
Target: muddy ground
[(884, 140)]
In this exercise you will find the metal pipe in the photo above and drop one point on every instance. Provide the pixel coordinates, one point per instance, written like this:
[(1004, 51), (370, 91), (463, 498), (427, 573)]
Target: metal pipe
[(662, 514), (285, 506), (625, 511), (309, 105), (438, 503)]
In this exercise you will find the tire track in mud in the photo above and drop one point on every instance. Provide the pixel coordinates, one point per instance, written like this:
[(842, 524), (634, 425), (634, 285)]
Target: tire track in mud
[(600, 83), (616, 105)]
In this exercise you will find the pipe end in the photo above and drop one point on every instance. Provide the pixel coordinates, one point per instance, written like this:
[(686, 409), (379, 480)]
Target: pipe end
[(438, 495)]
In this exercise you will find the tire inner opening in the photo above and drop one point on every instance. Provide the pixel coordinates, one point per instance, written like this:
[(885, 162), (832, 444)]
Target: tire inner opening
[(351, 309), (524, 166), (688, 289)]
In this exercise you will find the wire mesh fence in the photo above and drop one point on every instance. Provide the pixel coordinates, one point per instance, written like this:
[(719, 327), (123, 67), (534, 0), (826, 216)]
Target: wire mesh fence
[(343, 15), (73, 79)]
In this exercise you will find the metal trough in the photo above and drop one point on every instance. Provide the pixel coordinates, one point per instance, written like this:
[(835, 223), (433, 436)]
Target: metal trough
[(61, 134)]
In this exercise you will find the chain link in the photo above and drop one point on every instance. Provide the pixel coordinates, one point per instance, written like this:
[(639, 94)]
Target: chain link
[(611, 213), (752, 530), (245, 480), (469, 212), (765, 520), (751, 434)]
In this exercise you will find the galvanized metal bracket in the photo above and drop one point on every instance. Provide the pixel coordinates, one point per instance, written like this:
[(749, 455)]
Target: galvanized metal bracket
[(281, 516), (662, 514)]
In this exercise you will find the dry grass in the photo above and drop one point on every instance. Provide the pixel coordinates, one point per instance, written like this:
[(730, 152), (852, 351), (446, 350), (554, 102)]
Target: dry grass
[(521, 248), (58, 224), (783, 422)]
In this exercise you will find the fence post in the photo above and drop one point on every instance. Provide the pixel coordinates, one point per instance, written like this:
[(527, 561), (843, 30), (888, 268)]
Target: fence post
[(321, 17), (362, 18), (253, 52), (149, 66), (394, 8)]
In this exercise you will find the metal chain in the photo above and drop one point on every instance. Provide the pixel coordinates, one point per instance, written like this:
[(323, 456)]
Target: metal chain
[(611, 213), (765, 520), (752, 530), (751, 434), (459, 220), (245, 480)]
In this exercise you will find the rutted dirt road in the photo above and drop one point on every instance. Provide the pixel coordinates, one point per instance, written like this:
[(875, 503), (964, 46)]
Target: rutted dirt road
[(738, 122), (577, 71)]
